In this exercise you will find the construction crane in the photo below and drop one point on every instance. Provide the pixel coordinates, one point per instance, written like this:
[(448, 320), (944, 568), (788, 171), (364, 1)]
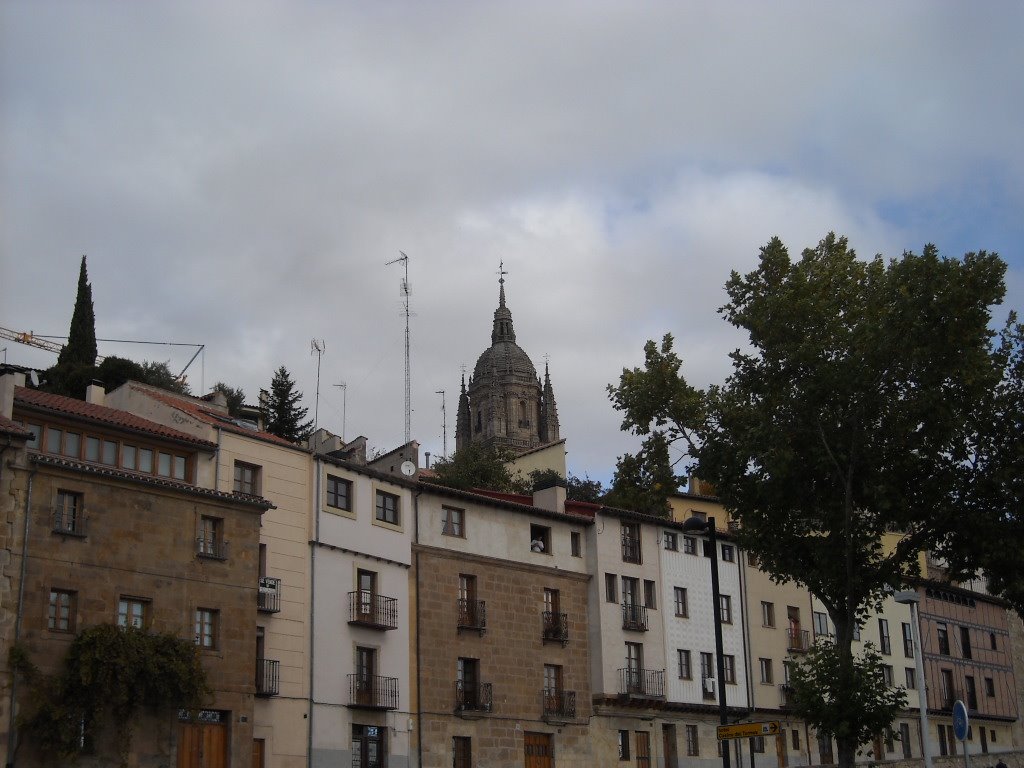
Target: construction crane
[(31, 340)]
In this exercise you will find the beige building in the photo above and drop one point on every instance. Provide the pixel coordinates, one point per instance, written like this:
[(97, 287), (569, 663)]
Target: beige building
[(247, 460)]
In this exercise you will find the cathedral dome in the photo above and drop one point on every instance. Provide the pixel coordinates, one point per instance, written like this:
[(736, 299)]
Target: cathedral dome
[(504, 358)]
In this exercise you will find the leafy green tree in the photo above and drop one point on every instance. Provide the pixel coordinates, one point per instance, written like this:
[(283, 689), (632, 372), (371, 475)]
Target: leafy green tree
[(159, 375), (643, 482), (235, 397), (583, 489), (478, 466), (852, 432), (282, 414), (845, 701)]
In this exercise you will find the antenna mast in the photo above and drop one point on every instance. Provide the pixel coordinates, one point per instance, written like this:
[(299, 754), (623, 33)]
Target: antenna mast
[(406, 292), (444, 426), (344, 396), (317, 347)]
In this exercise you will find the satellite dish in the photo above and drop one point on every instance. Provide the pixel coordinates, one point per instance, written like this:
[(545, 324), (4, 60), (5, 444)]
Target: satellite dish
[(408, 468), (33, 376)]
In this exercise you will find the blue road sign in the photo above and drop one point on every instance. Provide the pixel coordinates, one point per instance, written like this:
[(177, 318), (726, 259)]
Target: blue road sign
[(960, 721)]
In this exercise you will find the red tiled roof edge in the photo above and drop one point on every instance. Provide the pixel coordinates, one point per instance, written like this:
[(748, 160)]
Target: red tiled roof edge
[(9, 427)]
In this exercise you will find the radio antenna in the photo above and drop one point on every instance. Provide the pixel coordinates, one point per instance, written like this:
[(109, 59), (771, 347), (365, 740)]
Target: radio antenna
[(406, 291), (444, 426), (317, 347)]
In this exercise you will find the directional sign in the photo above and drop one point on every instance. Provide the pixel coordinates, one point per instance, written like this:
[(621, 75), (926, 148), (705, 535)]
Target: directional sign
[(745, 730), (960, 721)]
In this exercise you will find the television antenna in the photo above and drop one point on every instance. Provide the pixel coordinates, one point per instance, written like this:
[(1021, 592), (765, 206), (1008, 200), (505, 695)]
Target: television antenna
[(344, 393), (406, 291), (444, 426), (317, 347)]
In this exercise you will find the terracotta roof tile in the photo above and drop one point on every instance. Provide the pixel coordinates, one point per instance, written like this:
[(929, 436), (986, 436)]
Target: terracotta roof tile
[(9, 427), (101, 414)]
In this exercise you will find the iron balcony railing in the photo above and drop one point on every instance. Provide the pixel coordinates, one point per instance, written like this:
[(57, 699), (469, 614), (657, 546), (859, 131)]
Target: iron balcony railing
[(555, 627), (366, 609), (559, 703), (268, 677), (472, 698), (372, 691), (634, 617), (70, 522), (786, 697), (630, 548), (472, 614), (642, 682), (798, 640), (268, 598), (211, 547)]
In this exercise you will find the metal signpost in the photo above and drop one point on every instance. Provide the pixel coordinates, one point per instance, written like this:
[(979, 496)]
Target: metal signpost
[(961, 724)]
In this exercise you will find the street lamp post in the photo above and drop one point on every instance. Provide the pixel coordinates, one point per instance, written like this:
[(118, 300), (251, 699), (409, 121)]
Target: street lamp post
[(911, 598), (696, 525)]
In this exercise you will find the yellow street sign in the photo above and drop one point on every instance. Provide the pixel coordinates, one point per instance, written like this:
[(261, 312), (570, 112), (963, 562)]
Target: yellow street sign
[(746, 730)]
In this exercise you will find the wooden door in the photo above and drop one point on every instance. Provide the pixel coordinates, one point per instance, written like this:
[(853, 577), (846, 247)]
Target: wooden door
[(643, 749), (538, 750), (668, 737), (202, 745), (259, 750)]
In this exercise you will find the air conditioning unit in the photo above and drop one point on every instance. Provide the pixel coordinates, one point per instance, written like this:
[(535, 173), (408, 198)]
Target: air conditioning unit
[(709, 684)]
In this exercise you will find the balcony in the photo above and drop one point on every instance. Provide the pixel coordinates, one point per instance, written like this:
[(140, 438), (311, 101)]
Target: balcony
[(634, 617), (472, 615), (268, 677), (642, 682), (559, 705), (798, 640), (555, 628), (365, 609), (372, 692), (211, 547), (786, 698), (268, 598), (472, 698), (68, 522), (630, 548)]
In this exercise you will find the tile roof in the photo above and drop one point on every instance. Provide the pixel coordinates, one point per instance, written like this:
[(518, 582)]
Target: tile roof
[(202, 411), (101, 414), (9, 427)]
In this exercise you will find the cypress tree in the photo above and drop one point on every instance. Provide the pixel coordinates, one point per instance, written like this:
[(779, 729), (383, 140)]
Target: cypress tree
[(81, 347), (282, 415)]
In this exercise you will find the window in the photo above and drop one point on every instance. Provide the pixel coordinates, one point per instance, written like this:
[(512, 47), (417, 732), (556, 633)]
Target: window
[(54, 439), (671, 541), (887, 675), (905, 740), (68, 513), (387, 508), (129, 455), (131, 612), (575, 544), (692, 743), (553, 684), (728, 553), (366, 586), (61, 615), (990, 687), (453, 522), (689, 545), (623, 745), (611, 588), (729, 664), (883, 637), (767, 678), (650, 596), (943, 639), (36, 431), (685, 670), (540, 538), (72, 444), (206, 628), (971, 691), (757, 744), (339, 493), (820, 623), (890, 740), (163, 464), (631, 543), (247, 478), (992, 641), (965, 642), (796, 738), (707, 666), (681, 607), (145, 460), (109, 455), (856, 630), (725, 608), (210, 540), (911, 678), (462, 752), (908, 641), (767, 614)]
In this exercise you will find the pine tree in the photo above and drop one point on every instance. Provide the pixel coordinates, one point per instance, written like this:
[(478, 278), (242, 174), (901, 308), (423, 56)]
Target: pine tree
[(281, 412)]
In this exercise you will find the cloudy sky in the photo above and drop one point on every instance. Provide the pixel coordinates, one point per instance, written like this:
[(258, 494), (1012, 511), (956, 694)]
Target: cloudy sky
[(240, 173)]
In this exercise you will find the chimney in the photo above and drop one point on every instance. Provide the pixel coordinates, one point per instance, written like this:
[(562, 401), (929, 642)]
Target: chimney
[(552, 498), (95, 393), (7, 384)]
